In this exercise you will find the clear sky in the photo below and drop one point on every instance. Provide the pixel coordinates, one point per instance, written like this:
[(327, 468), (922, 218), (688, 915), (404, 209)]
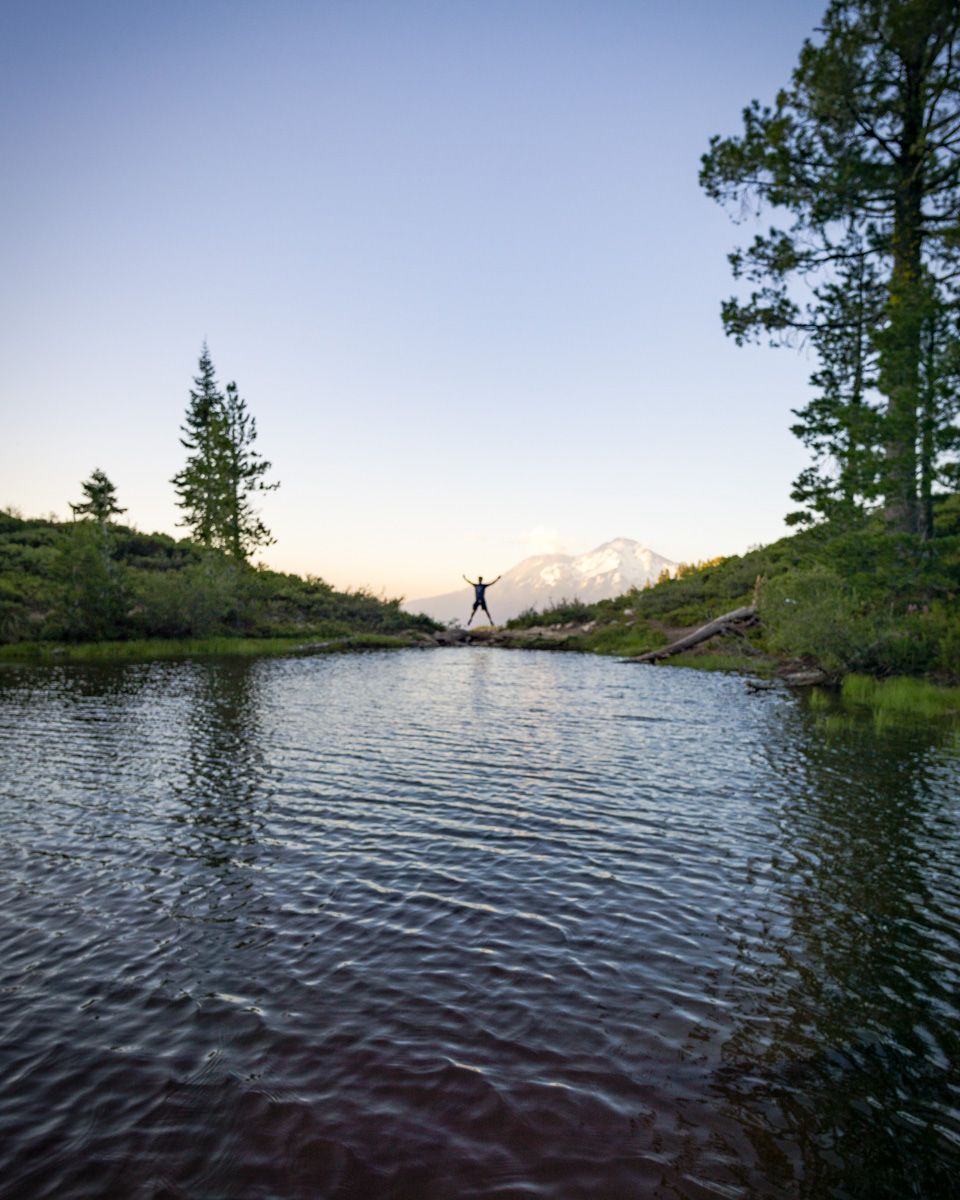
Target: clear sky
[(454, 253)]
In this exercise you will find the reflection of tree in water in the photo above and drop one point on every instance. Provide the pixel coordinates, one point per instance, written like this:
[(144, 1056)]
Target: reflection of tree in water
[(224, 772), (842, 1071), (221, 792)]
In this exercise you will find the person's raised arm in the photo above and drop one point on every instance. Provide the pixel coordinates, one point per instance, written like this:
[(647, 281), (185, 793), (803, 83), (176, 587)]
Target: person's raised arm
[(493, 581), (470, 581)]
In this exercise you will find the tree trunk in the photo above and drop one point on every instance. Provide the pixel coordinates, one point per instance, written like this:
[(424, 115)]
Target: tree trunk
[(900, 356), (928, 420), (711, 629)]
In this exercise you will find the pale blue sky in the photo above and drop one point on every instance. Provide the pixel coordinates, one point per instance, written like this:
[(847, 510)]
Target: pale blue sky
[(453, 253)]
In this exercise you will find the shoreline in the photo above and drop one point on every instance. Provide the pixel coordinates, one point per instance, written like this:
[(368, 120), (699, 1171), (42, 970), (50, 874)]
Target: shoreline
[(179, 649), (890, 701), (562, 639)]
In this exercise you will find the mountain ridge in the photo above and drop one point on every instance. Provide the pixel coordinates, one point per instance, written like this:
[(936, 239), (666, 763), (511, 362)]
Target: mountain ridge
[(541, 579)]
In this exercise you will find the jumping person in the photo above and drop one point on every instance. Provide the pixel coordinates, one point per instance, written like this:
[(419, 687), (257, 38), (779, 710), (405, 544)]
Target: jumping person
[(479, 589)]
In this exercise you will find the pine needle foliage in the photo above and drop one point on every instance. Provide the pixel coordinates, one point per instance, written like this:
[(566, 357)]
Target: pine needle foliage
[(242, 472), (223, 470), (862, 152), (198, 485), (101, 499)]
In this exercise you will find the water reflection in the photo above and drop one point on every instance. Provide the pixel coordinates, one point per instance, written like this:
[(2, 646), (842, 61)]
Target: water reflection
[(843, 1074), (225, 778), (469, 923)]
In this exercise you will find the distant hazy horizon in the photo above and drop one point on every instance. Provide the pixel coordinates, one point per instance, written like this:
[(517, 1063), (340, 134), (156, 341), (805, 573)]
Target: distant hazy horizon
[(455, 256)]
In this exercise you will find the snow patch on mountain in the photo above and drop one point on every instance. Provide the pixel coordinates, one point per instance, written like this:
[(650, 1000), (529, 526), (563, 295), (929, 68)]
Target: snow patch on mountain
[(542, 579)]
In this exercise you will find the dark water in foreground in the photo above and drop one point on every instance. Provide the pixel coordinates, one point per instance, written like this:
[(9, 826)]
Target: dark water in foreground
[(470, 923)]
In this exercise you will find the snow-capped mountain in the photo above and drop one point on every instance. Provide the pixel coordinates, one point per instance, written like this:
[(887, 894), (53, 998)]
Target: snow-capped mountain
[(537, 581)]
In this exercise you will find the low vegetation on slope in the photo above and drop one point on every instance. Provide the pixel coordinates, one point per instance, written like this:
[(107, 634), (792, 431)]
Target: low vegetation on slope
[(83, 582), (848, 600)]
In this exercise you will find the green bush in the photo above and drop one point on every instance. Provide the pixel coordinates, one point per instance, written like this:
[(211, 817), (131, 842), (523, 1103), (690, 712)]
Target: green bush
[(197, 601), (82, 582), (559, 612), (619, 638), (815, 614), (811, 613), (948, 650), (91, 586), (696, 614)]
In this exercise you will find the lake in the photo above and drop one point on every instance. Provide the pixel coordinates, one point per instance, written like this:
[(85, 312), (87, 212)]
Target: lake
[(470, 923)]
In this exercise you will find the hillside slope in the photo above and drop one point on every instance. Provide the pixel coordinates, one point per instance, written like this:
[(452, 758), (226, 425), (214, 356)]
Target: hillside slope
[(73, 581), (844, 599)]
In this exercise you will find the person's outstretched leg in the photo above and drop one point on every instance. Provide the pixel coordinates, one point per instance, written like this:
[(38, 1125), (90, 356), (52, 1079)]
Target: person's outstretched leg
[(473, 613), (487, 611)]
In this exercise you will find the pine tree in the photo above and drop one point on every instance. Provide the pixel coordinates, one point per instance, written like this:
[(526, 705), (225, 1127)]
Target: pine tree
[(241, 471), (222, 469), (101, 499), (92, 585), (862, 150), (198, 484), (842, 424), (939, 407)]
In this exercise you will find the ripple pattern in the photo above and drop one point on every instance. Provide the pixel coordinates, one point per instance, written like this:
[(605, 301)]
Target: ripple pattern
[(469, 923)]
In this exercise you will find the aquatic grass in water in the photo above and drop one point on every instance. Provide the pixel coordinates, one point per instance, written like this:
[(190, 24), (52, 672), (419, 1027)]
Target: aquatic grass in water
[(889, 706), (901, 697)]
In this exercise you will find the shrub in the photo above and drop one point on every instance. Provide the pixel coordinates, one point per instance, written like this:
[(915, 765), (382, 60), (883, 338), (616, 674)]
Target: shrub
[(617, 638), (812, 613), (194, 602), (556, 613), (91, 587), (948, 651)]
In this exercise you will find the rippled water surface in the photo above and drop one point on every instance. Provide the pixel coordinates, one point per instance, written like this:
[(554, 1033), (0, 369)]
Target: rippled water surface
[(470, 923)]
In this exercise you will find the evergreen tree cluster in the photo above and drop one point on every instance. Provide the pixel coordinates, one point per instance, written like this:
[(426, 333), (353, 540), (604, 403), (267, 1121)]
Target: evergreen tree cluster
[(222, 471), (221, 475), (862, 151)]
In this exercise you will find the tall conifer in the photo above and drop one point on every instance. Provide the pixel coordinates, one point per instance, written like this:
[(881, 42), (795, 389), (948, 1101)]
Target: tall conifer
[(863, 151), (222, 470), (242, 472), (198, 484)]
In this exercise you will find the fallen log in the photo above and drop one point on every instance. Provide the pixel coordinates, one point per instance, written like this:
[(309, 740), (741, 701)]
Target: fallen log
[(711, 629), (805, 678)]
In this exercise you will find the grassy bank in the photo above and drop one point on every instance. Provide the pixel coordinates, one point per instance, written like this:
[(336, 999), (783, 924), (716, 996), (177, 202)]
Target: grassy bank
[(851, 601), (72, 583), (148, 650), (706, 661)]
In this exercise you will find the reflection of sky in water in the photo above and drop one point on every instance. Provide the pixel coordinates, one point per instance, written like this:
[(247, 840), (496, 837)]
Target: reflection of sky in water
[(471, 919)]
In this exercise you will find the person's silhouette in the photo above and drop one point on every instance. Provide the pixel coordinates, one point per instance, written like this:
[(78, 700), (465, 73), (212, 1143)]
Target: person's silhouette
[(479, 601)]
